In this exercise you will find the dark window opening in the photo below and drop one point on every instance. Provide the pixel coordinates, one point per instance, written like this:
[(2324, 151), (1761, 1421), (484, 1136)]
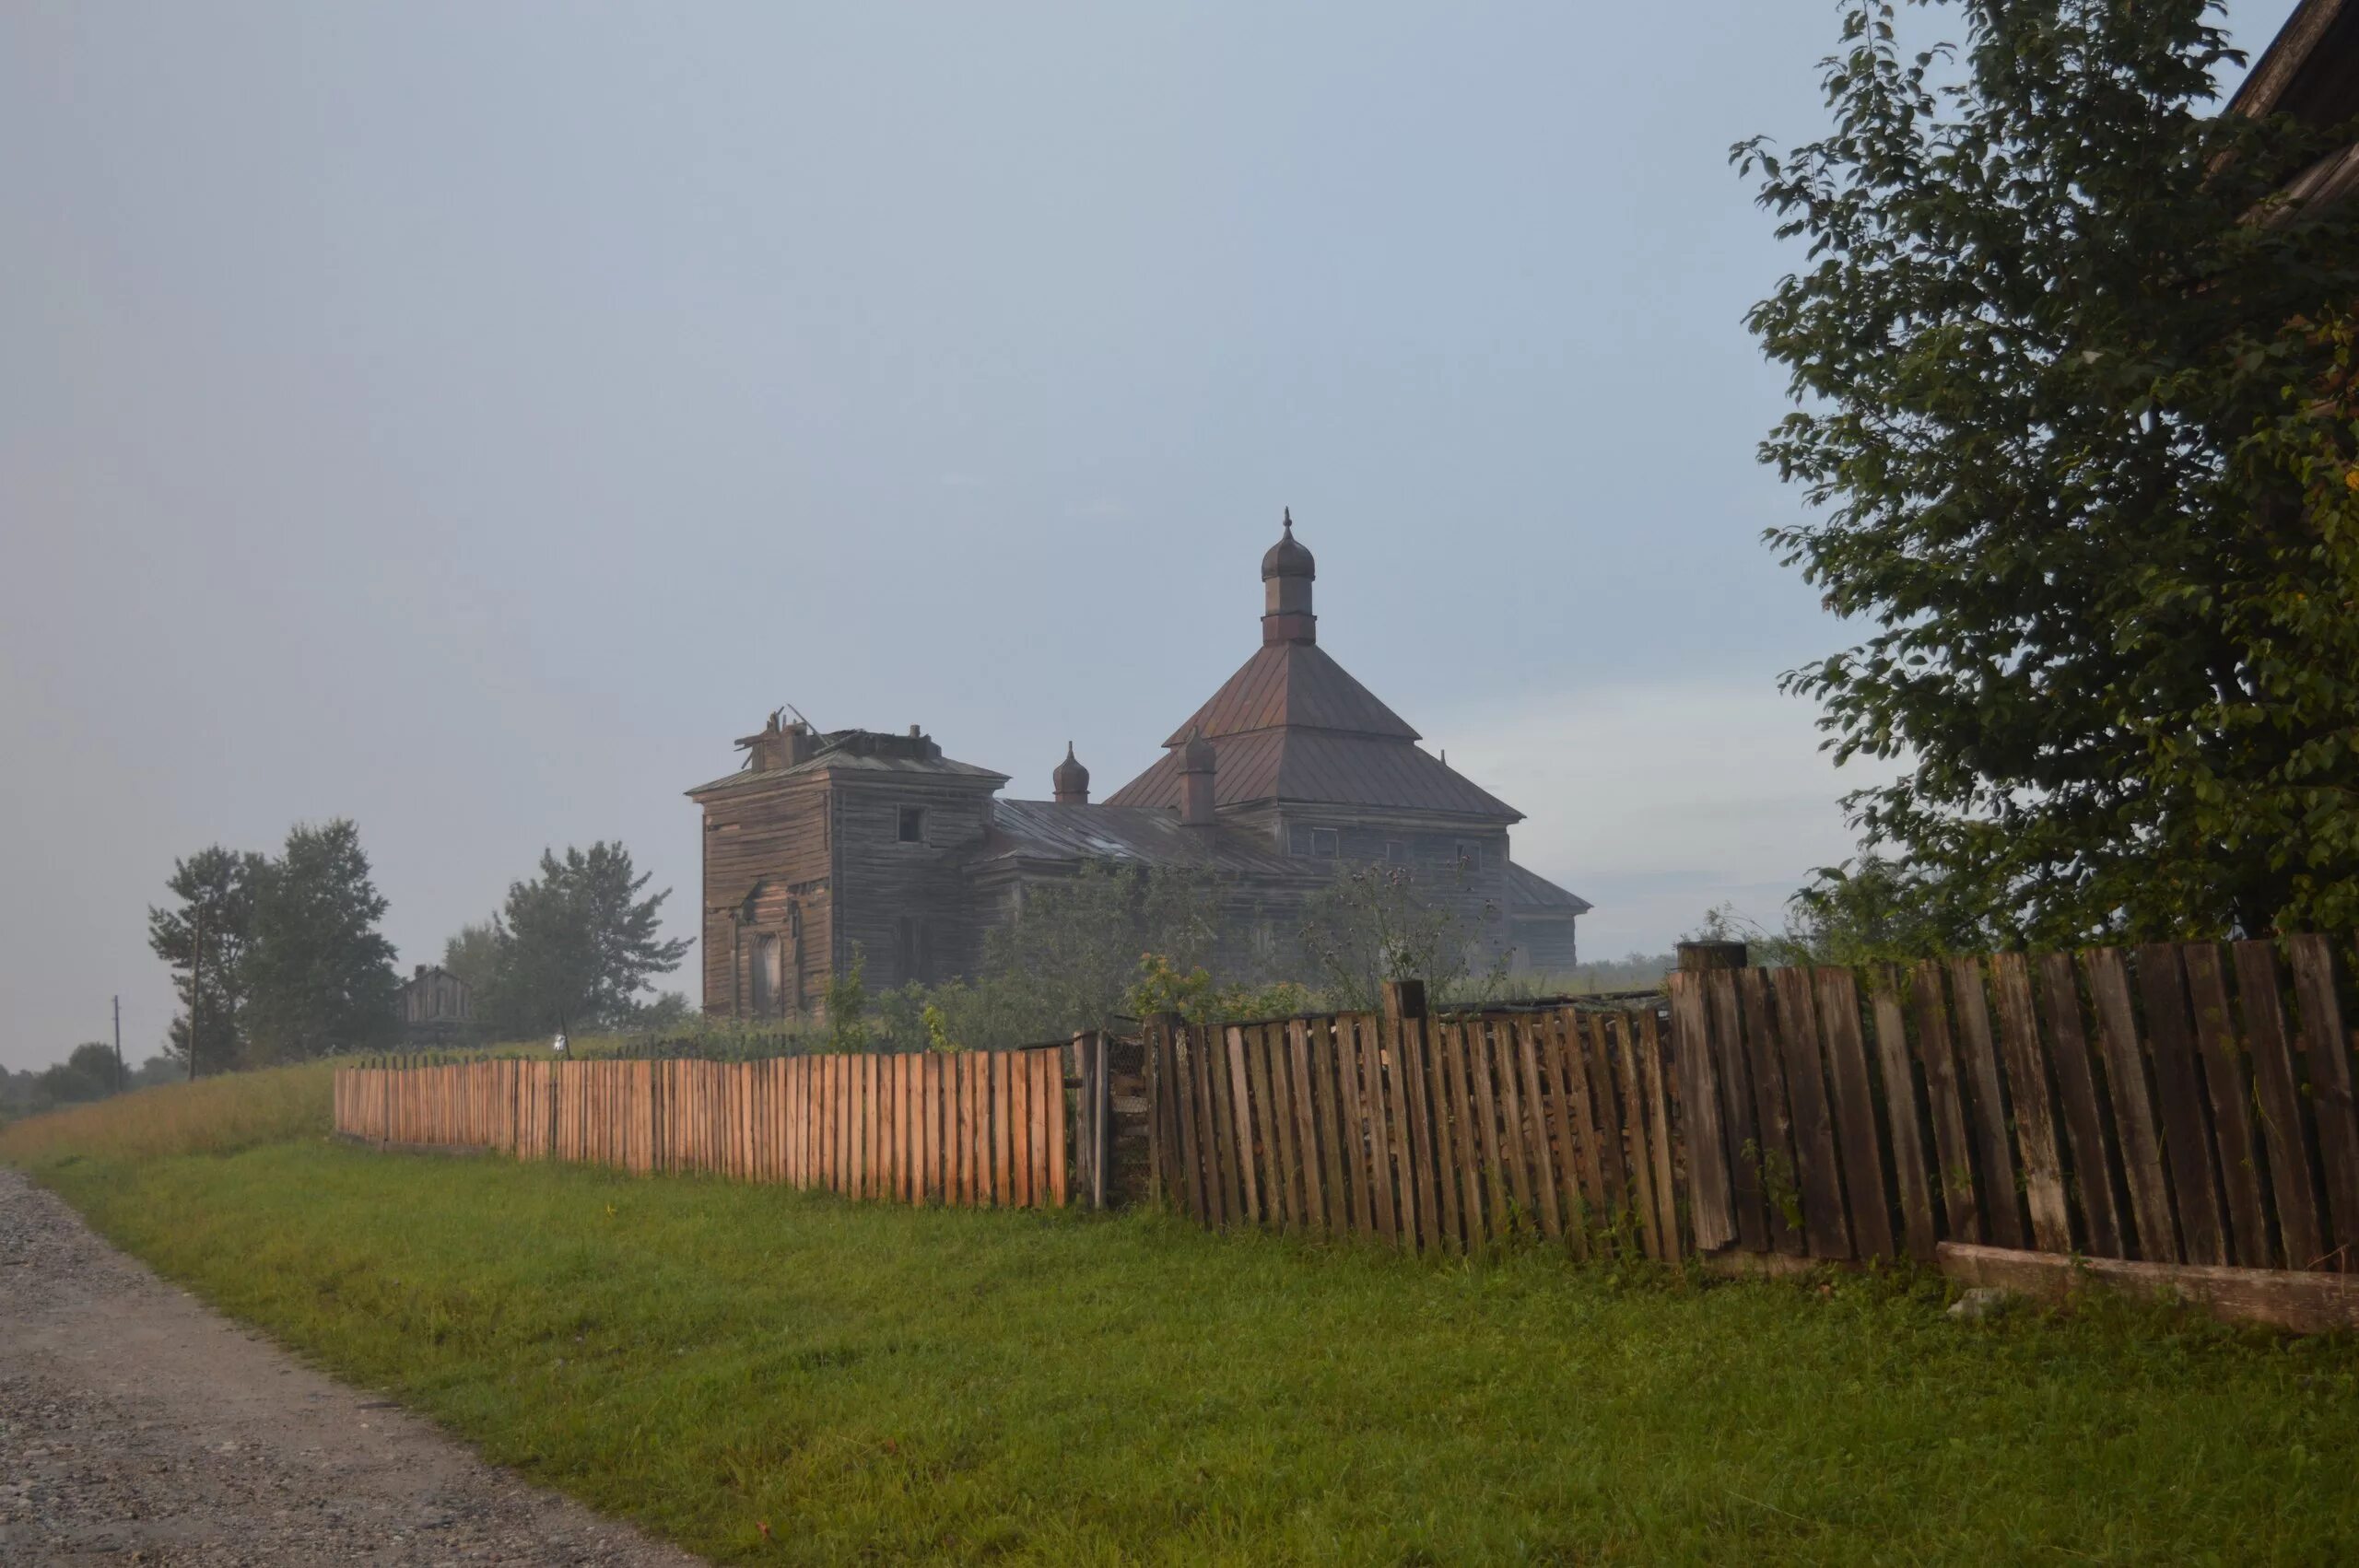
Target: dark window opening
[(1324, 842), (1470, 856), (912, 825)]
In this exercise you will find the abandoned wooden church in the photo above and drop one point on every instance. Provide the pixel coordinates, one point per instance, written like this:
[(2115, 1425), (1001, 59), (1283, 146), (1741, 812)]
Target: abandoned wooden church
[(825, 842)]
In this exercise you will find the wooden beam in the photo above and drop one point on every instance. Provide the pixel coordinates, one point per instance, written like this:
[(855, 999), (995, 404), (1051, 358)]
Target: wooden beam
[(2301, 1302)]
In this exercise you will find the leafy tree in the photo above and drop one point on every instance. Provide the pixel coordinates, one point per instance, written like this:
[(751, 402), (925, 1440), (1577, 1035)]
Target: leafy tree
[(89, 1073), (572, 948), (473, 956), (1378, 923), (2076, 396), (318, 974), (216, 889)]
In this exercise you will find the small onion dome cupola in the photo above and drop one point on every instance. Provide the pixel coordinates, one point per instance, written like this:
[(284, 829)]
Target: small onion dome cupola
[(1286, 573), (1072, 781), (1197, 759)]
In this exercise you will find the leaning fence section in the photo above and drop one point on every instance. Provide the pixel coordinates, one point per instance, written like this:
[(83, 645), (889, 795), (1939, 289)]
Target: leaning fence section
[(1444, 1133), (974, 1127), (2174, 1103)]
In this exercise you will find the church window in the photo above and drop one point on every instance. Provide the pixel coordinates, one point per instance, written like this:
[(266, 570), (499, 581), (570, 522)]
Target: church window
[(1395, 852), (912, 825), (1470, 856), (1323, 842)]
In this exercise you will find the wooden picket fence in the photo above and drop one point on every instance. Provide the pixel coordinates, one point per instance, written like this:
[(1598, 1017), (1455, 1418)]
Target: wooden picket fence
[(2180, 1104), (976, 1128), (1454, 1133), (2175, 1104)]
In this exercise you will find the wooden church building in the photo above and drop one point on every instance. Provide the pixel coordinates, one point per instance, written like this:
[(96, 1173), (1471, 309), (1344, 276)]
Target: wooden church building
[(827, 841)]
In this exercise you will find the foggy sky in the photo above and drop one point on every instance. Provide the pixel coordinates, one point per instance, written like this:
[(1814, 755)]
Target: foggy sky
[(467, 419)]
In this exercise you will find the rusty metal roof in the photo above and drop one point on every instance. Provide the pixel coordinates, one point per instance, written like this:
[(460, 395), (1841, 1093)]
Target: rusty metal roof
[(1529, 892), (1042, 830), (1325, 766), (1298, 684), (1292, 724)]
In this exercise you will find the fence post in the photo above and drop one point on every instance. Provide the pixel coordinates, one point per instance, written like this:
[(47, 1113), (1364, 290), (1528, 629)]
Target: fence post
[(1694, 957), (1403, 998)]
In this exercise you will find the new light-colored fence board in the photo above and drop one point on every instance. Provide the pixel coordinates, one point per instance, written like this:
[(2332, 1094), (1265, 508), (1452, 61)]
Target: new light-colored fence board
[(982, 1128)]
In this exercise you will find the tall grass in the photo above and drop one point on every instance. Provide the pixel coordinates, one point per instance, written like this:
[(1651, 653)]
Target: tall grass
[(212, 1116)]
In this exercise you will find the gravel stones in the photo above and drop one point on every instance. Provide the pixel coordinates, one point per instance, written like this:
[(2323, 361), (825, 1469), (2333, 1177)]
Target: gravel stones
[(137, 1426)]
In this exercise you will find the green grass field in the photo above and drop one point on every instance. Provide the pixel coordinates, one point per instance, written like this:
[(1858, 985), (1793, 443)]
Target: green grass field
[(877, 1384)]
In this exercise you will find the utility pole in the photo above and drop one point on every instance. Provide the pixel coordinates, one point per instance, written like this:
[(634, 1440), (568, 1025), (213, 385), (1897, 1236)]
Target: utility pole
[(122, 1078), (195, 983)]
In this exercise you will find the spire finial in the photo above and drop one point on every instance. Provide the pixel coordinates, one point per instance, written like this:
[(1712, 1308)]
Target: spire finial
[(1289, 511)]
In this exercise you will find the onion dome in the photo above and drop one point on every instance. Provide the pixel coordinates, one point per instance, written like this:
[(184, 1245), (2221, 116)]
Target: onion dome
[(1071, 780), (1288, 558)]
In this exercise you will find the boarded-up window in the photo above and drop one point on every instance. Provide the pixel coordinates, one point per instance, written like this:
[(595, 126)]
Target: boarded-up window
[(766, 976)]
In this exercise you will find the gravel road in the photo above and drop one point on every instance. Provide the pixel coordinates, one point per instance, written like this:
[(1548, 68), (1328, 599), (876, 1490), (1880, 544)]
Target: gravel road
[(138, 1426)]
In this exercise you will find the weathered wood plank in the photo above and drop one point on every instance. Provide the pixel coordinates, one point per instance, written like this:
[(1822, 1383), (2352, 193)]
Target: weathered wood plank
[(1271, 1172), (1241, 1097), (1589, 1212), (2327, 1051), (1292, 1191), (1221, 1133), (1824, 1225), (1537, 1142), (1549, 1042), (2134, 1107), (1978, 1059), (2302, 1303), (2026, 1065), (2076, 1092), (2178, 1095), (1855, 1113), (1188, 1190), (1459, 1064), (1329, 1109), (1487, 1125), (1711, 1203), (1433, 1042), (1953, 1148), (1415, 1067), (1379, 1142), (2291, 1181), (1913, 1178), (1305, 1114), (1773, 1121), (1739, 1126), (1623, 1054), (1513, 1136), (2231, 1099), (1660, 1134), (1351, 1079), (1605, 1105)]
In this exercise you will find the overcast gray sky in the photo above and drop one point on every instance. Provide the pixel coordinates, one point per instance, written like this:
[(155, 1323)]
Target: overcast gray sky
[(466, 418)]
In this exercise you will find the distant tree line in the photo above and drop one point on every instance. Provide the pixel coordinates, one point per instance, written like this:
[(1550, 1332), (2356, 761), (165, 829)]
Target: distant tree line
[(89, 1072)]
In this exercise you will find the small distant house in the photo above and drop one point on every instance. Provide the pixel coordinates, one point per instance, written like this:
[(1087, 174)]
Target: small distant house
[(436, 1006)]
